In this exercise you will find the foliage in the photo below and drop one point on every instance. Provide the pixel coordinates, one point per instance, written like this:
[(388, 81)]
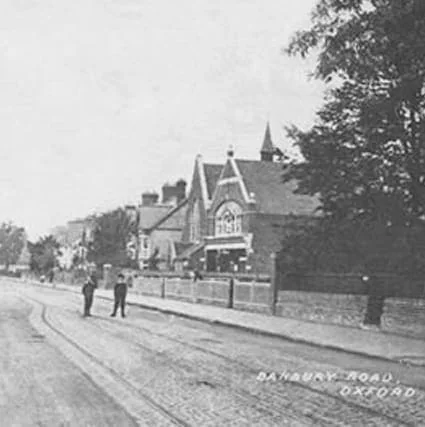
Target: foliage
[(354, 247), (44, 254), (12, 241), (113, 231), (365, 154)]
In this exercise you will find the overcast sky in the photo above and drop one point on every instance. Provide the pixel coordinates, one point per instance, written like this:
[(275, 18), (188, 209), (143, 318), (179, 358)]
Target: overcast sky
[(103, 99)]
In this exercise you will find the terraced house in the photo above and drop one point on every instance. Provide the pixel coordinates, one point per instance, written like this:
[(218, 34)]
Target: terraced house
[(238, 212)]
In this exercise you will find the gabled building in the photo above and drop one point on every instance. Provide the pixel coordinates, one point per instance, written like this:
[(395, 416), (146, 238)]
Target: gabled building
[(161, 224), (247, 213), (204, 181)]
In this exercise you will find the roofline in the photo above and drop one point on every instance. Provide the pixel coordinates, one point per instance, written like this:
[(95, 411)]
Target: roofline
[(203, 180), (167, 215), (241, 180), (237, 179)]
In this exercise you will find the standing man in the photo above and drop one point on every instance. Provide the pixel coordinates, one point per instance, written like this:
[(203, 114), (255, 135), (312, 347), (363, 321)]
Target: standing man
[(120, 293), (88, 292)]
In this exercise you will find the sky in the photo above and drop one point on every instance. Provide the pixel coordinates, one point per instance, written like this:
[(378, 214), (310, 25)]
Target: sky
[(101, 100)]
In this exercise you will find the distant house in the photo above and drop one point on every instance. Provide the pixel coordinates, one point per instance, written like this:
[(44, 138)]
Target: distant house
[(161, 224), (240, 219), (73, 239)]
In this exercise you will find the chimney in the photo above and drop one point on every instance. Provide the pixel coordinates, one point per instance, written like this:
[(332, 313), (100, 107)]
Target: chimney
[(167, 193), (181, 190), (149, 199), (174, 193)]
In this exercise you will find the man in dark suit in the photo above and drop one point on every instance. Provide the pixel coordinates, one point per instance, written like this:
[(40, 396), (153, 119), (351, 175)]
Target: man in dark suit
[(120, 294), (88, 292)]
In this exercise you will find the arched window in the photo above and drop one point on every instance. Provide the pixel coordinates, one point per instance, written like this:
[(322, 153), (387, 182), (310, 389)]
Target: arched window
[(228, 219)]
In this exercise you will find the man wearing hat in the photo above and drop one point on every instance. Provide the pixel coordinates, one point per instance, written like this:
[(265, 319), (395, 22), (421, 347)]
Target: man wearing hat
[(120, 293), (88, 291)]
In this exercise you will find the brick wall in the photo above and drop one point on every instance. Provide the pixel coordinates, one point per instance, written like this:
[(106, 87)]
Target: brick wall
[(404, 316), (346, 310), (401, 316)]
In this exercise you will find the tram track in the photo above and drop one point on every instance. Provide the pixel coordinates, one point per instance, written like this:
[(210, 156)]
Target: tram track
[(355, 407), (299, 385), (114, 374)]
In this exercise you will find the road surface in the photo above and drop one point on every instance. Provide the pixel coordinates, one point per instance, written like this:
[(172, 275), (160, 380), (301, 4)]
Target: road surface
[(60, 369)]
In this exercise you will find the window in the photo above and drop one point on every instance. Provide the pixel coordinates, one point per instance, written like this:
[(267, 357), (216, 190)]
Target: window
[(144, 247), (228, 219)]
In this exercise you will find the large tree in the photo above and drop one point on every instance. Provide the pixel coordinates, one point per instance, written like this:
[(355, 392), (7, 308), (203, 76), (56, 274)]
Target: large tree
[(113, 231), (365, 154), (44, 255), (12, 241)]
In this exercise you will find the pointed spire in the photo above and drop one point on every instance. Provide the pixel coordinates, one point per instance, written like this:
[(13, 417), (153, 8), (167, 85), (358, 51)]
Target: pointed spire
[(268, 149)]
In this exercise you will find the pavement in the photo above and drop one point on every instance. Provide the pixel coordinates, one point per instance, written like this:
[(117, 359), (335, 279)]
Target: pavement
[(371, 343)]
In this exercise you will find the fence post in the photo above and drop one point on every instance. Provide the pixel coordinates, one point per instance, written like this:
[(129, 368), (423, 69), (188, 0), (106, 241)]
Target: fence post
[(375, 302), (252, 292), (107, 275), (163, 287), (194, 290), (274, 285), (231, 292)]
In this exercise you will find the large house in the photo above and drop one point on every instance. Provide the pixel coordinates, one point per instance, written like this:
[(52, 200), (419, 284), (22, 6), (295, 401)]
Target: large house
[(160, 225), (237, 212)]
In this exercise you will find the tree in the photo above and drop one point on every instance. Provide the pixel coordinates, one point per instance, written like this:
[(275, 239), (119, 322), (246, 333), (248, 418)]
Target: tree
[(44, 255), (365, 155), (12, 241), (113, 230)]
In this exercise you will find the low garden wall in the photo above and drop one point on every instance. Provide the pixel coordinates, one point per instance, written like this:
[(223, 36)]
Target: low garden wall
[(405, 316), (252, 296)]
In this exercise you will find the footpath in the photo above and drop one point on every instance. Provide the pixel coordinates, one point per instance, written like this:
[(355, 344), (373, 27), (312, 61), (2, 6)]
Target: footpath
[(371, 343)]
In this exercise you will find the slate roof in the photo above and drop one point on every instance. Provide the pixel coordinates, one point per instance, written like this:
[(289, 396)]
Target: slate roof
[(212, 174), (150, 215), (173, 218), (181, 247), (265, 180), (187, 251)]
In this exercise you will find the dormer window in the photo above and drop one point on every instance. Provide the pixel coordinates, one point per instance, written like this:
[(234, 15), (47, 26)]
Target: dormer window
[(228, 219)]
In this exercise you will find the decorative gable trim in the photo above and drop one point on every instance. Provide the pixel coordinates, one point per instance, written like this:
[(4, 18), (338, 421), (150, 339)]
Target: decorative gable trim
[(203, 181), (241, 181), (237, 179), (231, 180)]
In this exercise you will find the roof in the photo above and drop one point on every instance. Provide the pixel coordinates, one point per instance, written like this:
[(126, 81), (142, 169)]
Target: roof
[(186, 251), (151, 214), (212, 174), (272, 195), (174, 221), (181, 247), (268, 146), (72, 232)]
